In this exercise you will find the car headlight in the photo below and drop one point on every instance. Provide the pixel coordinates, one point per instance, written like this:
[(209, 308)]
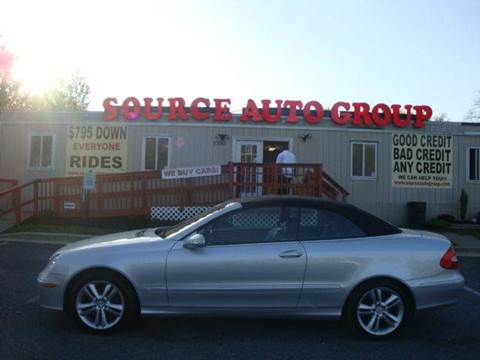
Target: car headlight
[(53, 273)]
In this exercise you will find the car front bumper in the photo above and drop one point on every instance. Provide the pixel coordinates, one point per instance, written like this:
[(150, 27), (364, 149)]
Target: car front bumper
[(52, 288)]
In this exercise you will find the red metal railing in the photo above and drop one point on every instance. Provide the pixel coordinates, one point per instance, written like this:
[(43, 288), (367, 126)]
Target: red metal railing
[(135, 193), (7, 183), (18, 201), (295, 179)]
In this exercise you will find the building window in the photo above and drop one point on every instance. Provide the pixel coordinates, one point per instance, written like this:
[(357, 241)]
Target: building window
[(41, 152), (364, 160), (473, 164), (155, 153)]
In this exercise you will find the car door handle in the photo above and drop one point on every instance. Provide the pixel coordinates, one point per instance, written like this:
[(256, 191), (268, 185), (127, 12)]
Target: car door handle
[(290, 254)]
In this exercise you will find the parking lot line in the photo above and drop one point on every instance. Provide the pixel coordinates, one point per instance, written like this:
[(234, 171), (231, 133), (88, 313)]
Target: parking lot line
[(472, 291), (33, 300)]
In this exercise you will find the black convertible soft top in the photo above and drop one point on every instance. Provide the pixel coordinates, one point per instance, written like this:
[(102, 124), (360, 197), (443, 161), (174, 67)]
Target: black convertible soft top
[(287, 200), (370, 224)]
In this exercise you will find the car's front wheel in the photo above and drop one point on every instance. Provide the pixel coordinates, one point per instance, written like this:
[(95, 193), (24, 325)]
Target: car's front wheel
[(377, 310), (102, 302)]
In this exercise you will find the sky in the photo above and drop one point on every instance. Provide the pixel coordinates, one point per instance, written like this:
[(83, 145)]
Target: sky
[(404, 52)]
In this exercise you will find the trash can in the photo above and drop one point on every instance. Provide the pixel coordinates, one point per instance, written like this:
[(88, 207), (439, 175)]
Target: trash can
[(416, 213)]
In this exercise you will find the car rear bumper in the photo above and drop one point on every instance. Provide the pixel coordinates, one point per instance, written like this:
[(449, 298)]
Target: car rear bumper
[(442, 290)]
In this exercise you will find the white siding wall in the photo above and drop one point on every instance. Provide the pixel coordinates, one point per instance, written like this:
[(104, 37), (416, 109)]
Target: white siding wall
[(329, 145)]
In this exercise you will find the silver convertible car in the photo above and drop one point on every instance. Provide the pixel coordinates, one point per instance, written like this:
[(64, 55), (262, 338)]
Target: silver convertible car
[(268, 256)]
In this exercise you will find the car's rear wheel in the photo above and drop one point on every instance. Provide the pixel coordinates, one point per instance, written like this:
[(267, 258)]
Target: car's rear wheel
[(102, 302), (377, 309)]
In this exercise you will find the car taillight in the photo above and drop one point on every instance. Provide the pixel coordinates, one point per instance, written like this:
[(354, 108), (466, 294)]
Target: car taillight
[(449, 259)]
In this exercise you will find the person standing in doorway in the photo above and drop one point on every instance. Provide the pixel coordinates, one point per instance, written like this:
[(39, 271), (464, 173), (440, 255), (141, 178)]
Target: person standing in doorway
[(286, 173)]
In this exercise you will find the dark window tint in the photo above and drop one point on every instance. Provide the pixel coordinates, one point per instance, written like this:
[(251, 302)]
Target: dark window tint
[(35, 150), (254, 225), (474, 164), (41, 151), (320, 224), (357, 159), (162, 153), (47, 151), (150, 146), (156, 153)]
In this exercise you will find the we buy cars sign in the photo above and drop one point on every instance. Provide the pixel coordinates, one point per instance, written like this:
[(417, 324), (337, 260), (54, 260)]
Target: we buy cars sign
[(191, 172)]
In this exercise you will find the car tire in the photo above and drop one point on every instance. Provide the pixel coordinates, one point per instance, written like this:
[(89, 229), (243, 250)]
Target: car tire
[(102, 302), (377, 309)]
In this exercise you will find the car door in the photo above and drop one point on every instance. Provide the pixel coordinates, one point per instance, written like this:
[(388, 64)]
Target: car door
[(331, 241), (251, 260)]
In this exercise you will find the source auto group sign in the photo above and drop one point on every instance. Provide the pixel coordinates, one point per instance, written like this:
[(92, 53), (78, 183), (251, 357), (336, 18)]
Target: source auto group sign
[(342, 112), (422, 160)]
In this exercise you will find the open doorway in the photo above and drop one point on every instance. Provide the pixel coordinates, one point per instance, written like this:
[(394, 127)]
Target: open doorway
[(271, 149), (257, 151)]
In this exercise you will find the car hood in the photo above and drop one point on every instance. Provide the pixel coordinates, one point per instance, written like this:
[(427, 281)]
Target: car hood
[(113, 240)]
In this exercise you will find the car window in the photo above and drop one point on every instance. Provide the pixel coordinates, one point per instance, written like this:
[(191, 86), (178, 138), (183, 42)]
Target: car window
[(166, 233), (252, 225), (321, 224)]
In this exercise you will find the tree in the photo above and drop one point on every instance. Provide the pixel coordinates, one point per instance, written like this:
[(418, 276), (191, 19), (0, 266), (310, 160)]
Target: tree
[(72, 94), (441, 117), (474, 112), (12, 98)]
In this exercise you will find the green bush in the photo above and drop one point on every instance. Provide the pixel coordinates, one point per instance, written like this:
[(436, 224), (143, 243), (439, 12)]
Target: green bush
[(446, 217), (439, 224)]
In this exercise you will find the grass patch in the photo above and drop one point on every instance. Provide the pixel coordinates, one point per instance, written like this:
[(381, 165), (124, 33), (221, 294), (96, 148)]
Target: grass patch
[(439, 224)]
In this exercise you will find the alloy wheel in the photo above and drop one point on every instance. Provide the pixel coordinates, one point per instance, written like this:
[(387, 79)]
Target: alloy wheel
[(100, 304), (380, 311)]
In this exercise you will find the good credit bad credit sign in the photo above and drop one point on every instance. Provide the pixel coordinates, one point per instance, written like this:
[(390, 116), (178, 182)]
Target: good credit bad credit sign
[(100, 148), (190, 172), (422, 160)]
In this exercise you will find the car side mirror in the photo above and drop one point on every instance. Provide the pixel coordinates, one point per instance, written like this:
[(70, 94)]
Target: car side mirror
[(194, 241)]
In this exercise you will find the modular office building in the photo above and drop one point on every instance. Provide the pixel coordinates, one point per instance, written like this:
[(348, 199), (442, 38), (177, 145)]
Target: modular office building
[(382, 165)]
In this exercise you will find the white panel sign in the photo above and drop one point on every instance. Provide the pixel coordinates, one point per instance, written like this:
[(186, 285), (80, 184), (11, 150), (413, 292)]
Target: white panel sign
[(422, 160), (191, 172), (69, 206), (101, 148)]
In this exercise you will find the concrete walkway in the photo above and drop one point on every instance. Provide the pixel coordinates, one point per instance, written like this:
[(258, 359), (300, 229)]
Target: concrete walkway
[(465, 245)]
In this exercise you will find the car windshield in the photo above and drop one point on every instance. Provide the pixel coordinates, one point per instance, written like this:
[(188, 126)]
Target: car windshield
[(165, 233)]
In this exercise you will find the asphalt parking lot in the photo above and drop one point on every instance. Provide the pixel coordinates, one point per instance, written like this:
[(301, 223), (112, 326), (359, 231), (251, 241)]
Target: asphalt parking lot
[(28, 332)]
